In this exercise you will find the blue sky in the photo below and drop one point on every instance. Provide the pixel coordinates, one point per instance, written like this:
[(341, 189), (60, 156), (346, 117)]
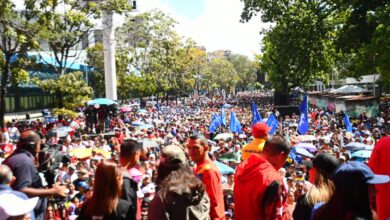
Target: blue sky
[(189, 8)]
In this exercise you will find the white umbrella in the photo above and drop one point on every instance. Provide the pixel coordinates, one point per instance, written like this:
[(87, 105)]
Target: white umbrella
[(149, 143), (63, 131), (223, 136), (305, 138)]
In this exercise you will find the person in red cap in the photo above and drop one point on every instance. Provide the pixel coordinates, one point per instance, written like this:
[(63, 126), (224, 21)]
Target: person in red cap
[(379, 164), (259, 192), (260, 135)]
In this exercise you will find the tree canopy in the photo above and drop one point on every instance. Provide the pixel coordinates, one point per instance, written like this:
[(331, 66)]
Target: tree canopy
[(309, 40)]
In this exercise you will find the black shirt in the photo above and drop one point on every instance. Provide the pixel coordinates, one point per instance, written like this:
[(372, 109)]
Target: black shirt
[(302, 209), (129, 193), (122, 212)]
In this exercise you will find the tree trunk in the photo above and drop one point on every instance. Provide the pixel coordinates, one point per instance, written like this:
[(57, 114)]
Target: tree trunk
[(3, 91), (16, 97), (60, 99), (281, 97)]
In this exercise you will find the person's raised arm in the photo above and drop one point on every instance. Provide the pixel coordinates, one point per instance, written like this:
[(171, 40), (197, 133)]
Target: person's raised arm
[(57, 191)]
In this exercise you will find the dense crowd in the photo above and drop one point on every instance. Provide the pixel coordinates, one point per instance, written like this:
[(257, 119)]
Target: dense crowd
[(162, 162)]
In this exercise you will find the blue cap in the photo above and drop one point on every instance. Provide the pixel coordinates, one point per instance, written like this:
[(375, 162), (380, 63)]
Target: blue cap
[(83, 184), (352, 172)]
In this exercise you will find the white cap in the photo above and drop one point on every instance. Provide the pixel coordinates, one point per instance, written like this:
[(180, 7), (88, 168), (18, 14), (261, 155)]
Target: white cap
[(12, 205)]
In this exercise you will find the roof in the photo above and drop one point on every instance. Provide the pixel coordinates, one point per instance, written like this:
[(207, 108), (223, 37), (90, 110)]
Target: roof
[(356, 97), (349, 89), (363, 79)]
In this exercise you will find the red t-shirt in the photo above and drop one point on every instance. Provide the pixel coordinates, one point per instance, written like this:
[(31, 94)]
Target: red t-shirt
[(209, 174), (379, 164)]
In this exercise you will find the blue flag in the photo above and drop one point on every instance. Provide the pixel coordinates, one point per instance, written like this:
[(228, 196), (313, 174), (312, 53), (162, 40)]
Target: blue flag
[(235, 125), (215, 123), (303, 125), (347, 123), (223, 119), (255, 114), (293, 155), (273, 123)]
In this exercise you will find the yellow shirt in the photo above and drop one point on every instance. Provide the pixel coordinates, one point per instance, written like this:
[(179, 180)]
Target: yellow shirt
[(256, 146)]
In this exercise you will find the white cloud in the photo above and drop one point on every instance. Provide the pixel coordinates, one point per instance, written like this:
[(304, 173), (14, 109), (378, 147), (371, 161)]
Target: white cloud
[(218, 27)]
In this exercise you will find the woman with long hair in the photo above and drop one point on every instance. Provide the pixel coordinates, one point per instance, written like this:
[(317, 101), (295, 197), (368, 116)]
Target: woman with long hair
[(351, 198), (105, 202), (180, 194), (320, 176)]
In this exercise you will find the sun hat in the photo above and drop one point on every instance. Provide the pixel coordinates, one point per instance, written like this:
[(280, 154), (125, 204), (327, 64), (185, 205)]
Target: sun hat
[(172, 155), (352, 173), (12, 205), (326, 162), (260, 129)]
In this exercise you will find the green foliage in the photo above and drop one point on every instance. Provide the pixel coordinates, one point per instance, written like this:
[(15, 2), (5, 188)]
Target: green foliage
[(222, 75), (64, 25), (96, 77), (311, 39), (154, 58), (297, 50), (64, 112), (18, 35), (246, 70), (72, 87)]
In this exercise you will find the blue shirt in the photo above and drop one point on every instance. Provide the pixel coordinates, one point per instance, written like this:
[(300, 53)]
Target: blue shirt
[(23, 167)]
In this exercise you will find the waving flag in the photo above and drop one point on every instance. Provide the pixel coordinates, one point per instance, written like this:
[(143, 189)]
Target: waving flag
[(215, 123), (273, 123), (235, 125), (294, 156), (223, 119), (255, 114), (303, 125), (347, 123)]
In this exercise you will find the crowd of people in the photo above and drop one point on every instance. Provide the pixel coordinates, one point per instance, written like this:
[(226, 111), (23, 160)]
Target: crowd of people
[(163, 162)]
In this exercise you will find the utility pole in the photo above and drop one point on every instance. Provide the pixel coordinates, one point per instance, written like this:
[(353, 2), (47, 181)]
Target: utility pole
[(109, 55), (373, 81), (109, 52)]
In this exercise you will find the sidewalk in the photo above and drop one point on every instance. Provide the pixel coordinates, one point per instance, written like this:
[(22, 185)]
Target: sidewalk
[(20, 116)]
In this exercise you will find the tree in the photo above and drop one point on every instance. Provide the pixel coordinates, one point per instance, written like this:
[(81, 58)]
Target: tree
[(64, 25), (18, 34), (298, 49), (363, 37), (221, 75), (96, 77), (355, 33), (246, 70), (72, 86), (157, 55)]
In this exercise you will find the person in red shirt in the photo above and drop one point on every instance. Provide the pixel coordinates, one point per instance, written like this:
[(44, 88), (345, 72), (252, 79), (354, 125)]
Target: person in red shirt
[(259, 192), (208, 172), (379, 164)]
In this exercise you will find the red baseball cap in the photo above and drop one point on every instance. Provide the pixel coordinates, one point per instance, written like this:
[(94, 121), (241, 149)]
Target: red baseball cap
[(260, 130)]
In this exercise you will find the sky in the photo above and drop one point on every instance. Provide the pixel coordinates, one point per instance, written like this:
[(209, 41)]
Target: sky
[(214, 24)]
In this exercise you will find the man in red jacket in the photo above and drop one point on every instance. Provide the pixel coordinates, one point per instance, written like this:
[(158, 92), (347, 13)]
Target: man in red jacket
[(259, 192), (208, 172), (379, 164)]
